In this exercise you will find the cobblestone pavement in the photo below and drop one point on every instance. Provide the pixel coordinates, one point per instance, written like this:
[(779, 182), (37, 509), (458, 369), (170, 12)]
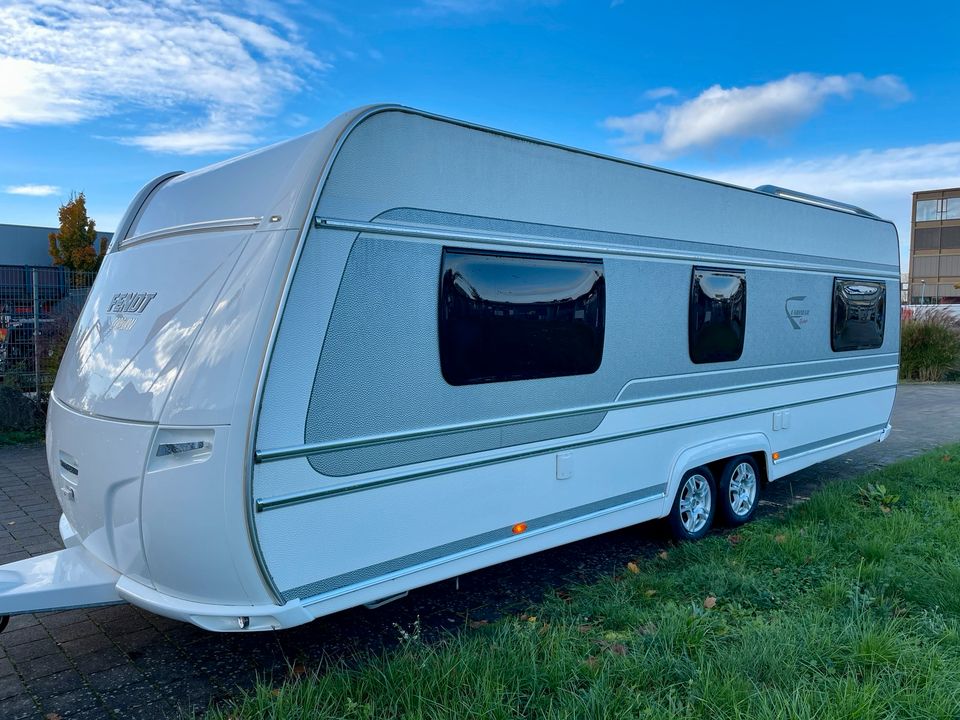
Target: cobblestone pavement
[(122, 662)]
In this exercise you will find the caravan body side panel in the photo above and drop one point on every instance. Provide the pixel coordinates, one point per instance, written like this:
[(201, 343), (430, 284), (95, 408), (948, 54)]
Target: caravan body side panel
[(356, 357)]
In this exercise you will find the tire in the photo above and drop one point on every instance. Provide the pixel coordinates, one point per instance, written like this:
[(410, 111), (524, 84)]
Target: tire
[(739, 492), (694, 505)]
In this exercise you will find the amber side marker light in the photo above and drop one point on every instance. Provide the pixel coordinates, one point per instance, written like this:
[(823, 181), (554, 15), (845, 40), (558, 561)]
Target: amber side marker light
[(776, 456), (519, 528)]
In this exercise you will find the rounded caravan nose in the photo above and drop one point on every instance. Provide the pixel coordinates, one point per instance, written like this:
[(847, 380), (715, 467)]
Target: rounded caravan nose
[(160, 367)]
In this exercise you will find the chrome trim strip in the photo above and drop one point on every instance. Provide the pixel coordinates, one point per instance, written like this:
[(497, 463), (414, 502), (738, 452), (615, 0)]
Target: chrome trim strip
[(546, 524), (809, 448), (293, 451), (136, 207), (190, 228), (789, 194), (297, 498), (579, 246)]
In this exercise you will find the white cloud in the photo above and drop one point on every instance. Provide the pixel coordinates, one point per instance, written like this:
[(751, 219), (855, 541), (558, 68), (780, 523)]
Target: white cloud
[(32, 190), (660, 93), (881, 181), (720, 113), (67, 61)]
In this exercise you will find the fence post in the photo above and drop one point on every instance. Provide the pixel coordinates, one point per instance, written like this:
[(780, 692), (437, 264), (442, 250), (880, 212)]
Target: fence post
[(36, 333)]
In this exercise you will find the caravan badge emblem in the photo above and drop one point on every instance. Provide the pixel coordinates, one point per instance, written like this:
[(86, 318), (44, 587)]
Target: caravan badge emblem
[(798, 315), (130, 302)]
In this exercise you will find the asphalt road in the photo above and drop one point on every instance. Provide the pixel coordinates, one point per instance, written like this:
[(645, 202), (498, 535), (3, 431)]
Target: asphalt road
[(122, 662)]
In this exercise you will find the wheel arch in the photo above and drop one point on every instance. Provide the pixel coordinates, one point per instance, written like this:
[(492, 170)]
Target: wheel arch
[(713, 454)]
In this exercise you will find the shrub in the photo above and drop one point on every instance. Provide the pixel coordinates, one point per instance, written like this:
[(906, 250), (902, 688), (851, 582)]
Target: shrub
[(929, 345)]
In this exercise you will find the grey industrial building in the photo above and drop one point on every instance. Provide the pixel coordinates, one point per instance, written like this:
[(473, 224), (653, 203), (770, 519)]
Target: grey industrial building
[(28, 245)]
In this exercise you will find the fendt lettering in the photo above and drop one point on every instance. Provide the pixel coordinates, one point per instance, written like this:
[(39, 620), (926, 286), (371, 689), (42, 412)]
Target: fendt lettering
[(130, 302)]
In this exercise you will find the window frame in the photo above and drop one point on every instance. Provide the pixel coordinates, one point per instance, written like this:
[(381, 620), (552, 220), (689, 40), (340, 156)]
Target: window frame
[(447, 342), (840, 282), (696, 356)]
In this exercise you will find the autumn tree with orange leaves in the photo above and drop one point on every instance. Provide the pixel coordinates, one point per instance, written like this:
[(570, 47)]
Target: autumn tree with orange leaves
[(74, 245)]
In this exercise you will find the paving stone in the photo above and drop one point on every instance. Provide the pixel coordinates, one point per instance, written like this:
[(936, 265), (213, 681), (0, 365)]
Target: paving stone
[(33, 649), (57, 683), (113, 678), (122, 700), (15, 708), (65, 617), (28, 633), (87, 644), (101, 660), (74, 701), (43, 666), (139, 640), (10, 686), (74, 631), (19, 621)]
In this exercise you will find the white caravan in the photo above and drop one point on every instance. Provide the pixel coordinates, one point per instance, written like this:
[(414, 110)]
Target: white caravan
[(404, 347)]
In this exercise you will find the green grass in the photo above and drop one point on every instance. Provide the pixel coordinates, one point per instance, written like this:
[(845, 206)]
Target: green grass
[(20, 437), (847, 607)]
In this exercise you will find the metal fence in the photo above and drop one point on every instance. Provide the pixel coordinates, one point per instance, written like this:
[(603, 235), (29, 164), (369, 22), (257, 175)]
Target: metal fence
[(38, 308)]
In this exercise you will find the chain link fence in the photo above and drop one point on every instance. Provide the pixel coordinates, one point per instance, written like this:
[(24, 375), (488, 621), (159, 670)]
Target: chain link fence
[(38, 308)]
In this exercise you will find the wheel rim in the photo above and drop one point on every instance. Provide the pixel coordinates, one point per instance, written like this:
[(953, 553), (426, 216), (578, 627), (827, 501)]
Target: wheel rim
[(695, 503), (743, 489)]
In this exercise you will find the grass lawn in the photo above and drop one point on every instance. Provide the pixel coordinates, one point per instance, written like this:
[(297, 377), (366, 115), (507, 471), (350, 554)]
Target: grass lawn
[(846, 607)]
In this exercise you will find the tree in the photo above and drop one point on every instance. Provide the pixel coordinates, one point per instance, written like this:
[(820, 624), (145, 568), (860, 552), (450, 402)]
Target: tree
[(74, 246)]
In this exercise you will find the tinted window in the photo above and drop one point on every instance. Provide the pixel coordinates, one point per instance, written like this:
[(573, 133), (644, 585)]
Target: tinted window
[(718, 314), (519, 317), (859, 307)]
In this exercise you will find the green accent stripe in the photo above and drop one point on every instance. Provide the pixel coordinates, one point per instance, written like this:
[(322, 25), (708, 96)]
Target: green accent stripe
[(829, 442), (448, 551), (263, 504)]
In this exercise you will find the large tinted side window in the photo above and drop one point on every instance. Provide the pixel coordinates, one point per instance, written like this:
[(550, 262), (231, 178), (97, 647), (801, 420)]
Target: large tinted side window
[(506, 316), (859, 309), (718, 314)]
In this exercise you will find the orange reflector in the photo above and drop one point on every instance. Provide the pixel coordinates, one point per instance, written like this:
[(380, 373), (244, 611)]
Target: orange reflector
[(776, 456), (519, 528)]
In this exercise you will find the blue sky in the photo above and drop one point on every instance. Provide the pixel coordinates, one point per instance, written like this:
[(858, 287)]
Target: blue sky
[(852, 101)]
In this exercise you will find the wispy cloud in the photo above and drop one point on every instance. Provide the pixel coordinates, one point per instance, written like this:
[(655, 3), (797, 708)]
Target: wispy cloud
[(173, 61), (32, 190), (719, 113), (660, 93), (468, 8), (881, 181)]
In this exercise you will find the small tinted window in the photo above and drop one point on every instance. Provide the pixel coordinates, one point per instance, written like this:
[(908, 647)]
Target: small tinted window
[(718, 314), (519, 317), (859, 307)]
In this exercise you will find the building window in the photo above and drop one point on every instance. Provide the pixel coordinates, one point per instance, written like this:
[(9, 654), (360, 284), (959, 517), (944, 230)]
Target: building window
[(943, 209), (928, 210), (506, 316), (951, 208), (859, 307), (718, 312)]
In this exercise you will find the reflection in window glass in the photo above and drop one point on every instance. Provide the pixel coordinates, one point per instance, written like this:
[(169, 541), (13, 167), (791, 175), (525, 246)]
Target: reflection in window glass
[(927, 210), (718, 311), (951, 209), (859, 307), (519, 317)]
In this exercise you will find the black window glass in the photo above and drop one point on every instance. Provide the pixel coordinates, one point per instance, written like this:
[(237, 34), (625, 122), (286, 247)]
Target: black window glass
[(859, 307), (518, 317), (718, 314)]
